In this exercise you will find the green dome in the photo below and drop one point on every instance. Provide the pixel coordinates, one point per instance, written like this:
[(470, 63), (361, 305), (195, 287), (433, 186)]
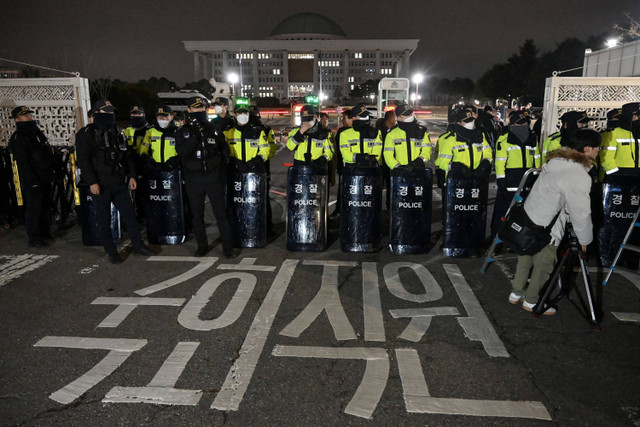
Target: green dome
[(307, 26)]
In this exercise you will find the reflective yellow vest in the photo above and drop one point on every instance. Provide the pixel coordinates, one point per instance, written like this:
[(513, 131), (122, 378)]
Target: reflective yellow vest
[(255, 143), (318, 144), (619, 150), (551, 143), (514, 156), (400, 150), (159, 145), (450, 149), (350, 144), (136, 139)]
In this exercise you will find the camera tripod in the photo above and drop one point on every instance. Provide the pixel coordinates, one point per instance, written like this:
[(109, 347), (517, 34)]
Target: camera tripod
[(564, 275)]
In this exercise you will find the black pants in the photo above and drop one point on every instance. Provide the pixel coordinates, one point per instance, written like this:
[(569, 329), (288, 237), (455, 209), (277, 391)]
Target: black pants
[(120, 197), (212, 185), (37, 205), (503, 198)]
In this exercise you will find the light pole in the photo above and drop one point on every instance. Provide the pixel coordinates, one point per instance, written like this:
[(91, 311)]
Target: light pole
[(417, 78), (233, 79)]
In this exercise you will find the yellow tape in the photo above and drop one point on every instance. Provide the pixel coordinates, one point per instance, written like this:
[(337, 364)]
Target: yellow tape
[(16, 181), (76, 192)]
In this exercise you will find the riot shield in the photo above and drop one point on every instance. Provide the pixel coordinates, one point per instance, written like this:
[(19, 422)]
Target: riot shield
[(620, 200), (465, 215), (248, 206), (164, 207), (361, 205), (90, 230), (410, 207), (307, 195)]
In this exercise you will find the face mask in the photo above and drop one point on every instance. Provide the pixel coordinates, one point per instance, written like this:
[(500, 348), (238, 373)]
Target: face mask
[(243, 119), (30, 126), (409, 119), (104, 120), (200, 116), (218, 109), (470, 125), (520, 131), (138, 122), (163, 123)]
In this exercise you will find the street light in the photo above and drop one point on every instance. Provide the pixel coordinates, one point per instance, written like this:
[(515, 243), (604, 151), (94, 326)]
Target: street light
[(612, 42), (417, 79), (233, 79)]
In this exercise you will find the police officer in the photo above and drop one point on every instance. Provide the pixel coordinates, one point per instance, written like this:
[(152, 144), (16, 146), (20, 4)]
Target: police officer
[(248, 144), (347, 123), (408, 144), (160, 143), (621, 148), (516, 152), (571, 122), (178, 119), (310, 143), (464, 146), (137, 131), (223, 118), (256, 120), (204, 154), (361, 144), (107, 168), (34, 159)]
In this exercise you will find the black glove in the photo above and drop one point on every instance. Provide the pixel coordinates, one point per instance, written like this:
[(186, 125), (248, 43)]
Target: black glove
[(307, 157), (256, 165), (441, 177), (361, 160), (174, 163), (500, 182), (241, 167), (418, 163), (373, 161), (483, 169), (460, 170), (321, 161)]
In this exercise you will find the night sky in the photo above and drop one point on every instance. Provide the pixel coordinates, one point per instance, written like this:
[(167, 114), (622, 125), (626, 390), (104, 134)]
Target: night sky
[(139, 39)]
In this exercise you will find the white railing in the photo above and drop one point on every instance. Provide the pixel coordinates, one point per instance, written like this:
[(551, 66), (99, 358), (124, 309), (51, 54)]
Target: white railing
[(60, 106)]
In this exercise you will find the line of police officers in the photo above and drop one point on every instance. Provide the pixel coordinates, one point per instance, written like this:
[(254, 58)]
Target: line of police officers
[(109, 160)]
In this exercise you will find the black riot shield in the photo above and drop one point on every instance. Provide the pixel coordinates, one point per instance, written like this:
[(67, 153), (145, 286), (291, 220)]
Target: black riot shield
[(361, 205), (90, 231), (410, 207), (164, 207), (620, 200), (465, 215), (307, 195), (248, 206)]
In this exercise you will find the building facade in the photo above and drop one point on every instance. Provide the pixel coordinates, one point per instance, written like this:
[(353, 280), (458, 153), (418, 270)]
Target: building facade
[(305, 53), (619, 61)]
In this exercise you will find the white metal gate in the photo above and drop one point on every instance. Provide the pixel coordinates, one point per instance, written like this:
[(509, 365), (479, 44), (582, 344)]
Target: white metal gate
[(596, 95), (60, 106)]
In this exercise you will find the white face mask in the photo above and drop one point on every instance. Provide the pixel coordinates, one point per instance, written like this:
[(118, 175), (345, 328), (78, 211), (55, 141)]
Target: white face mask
[(243, 119), (409, 119), (218, 109), (164, 123), (470, 125)]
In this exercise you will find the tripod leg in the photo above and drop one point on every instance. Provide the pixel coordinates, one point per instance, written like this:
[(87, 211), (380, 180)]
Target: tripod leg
[(589, 292), (541, 306)]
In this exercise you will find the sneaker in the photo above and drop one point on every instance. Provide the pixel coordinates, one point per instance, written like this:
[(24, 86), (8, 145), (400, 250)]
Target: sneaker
[(515, 298), (114, 258), (529, 307)]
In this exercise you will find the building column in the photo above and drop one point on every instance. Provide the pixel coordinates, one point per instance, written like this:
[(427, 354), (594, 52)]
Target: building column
[(254, 74), (378, 68), (285, 72), (316, 72), (196, 66), (346, 86), (225, 68), (404, 69)]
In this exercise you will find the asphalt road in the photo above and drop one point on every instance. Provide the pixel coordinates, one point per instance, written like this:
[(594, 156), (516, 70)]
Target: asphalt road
[(300, 338)]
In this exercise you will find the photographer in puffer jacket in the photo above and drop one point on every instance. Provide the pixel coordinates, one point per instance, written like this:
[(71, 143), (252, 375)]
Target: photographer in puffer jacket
[(563, 187)]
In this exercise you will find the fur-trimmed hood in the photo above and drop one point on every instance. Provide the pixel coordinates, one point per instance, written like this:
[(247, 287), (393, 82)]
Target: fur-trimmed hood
[(571, 155)]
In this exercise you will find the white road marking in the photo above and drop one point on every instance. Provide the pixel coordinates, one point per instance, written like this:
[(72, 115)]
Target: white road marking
[(477, 326), (391, 273), (372, 307), (248, 264), (89, 270), (240, 374), (627, 317), (327, 299), (203, 264), (418, 399), (161, 390), (120, 350), (420, 320), (189, 317), (21, 264), (374, 380), (127, 305)]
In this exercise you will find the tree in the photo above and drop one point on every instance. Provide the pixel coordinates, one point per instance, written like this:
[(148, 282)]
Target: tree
[(161, 84), (203, 86), (363, 90)]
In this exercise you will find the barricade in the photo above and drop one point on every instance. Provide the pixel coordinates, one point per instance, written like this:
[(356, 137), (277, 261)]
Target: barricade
[(248, 203), (465, 213), (410, 208), (165, 207), (620, 200), (307, 196), (361, 205)]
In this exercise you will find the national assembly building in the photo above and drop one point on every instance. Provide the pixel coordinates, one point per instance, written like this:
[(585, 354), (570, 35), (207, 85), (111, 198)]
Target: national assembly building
[(305, 53)]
